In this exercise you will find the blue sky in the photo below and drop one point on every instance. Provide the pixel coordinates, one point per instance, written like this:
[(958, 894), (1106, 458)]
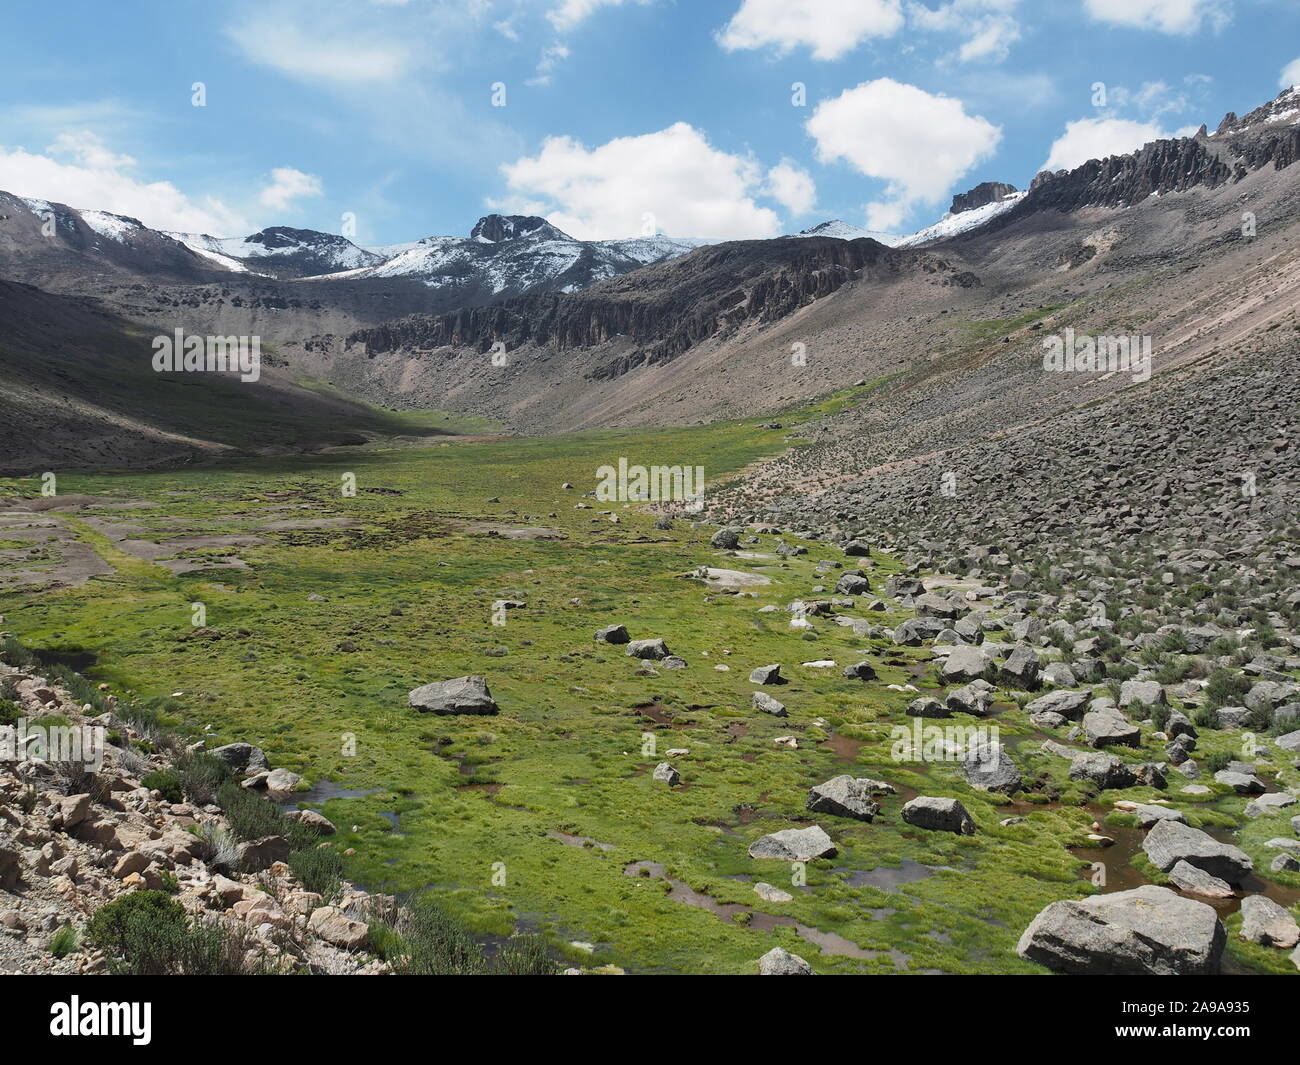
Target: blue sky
[(618, 114)]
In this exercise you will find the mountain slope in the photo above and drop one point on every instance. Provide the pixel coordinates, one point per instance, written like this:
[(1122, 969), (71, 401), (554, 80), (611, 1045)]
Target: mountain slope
[(79, 390)]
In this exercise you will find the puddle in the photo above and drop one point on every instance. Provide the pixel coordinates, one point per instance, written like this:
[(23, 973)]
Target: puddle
[(888, 878), (830, 944), (570, 840), (321, 792), (846, 748)]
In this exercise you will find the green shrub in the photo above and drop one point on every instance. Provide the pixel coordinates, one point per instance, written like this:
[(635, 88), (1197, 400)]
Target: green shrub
[(109, 928), (147, 933), (16, 654), (64, 941), (202, 776), (250, 816), (425, 940), (81, 689), (10, 712), (1225, 688), (167, 781), (318, 869), (253, 817), (1217, 761), (523, 956)]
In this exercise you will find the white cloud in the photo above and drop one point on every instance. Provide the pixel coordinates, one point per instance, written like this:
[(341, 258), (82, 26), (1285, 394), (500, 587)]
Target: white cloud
[(1097, 138), (1167, 16), (1290, 75), (88, 175), (830, 28), (552, 56), (917, 142), (287, 185), (988, 26), (569, 13), (688, 187), (792, 187), (327, 52)]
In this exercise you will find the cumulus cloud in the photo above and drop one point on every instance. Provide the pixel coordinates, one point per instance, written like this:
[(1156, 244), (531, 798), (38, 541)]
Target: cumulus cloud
[(1097, 138), (917, 142), (321, 51), (989, 27), (287, 185), (80, 170), (830, 28), (673, 178), (569, 13), (1290, 75), (792, 187), (1167, 16)]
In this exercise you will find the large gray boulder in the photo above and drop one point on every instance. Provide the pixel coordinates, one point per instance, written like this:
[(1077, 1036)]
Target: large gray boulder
[(915, 631), (780, 962), (463, 695), (613, 634), (988, 767), (1109, 728), (725, 539), (1146, 692), (1104, 770), (1241, 783), (1171, 842), (1269, 804), (939, 815), (655, 648), (242, 755), (794, 845), (844, 796), (1195, 881), (1148, 931), (766, 674), (1148, 814), (763, 701), (1264, 922), (975, 698), (966, 663), (1069, 704), (853, 583), (1021, 668)]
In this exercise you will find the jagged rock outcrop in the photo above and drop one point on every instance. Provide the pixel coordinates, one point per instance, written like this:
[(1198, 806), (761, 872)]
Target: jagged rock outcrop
[(987, 192)]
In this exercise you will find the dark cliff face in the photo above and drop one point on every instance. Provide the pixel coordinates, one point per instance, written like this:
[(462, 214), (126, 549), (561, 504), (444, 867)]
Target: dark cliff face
[(1268, 136), (1123, 180), (669, 307), (988, 192), (498, 227)]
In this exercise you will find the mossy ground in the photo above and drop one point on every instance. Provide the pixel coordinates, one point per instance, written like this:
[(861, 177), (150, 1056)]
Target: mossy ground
[(468, 806)]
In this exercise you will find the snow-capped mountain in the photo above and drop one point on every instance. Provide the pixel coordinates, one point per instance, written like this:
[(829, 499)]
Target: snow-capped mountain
[(281, 251), (847, 231), (961, 222), (990, 200), (515, 254)]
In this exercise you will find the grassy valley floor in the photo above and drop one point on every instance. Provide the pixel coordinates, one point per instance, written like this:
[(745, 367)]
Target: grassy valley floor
[(320, 611)]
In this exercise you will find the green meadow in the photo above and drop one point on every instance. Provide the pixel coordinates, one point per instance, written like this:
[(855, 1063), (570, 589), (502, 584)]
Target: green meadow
[(330, 607)]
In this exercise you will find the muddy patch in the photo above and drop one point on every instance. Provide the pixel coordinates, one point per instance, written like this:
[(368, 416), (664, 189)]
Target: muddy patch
[(511, 532), (830, 944)]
